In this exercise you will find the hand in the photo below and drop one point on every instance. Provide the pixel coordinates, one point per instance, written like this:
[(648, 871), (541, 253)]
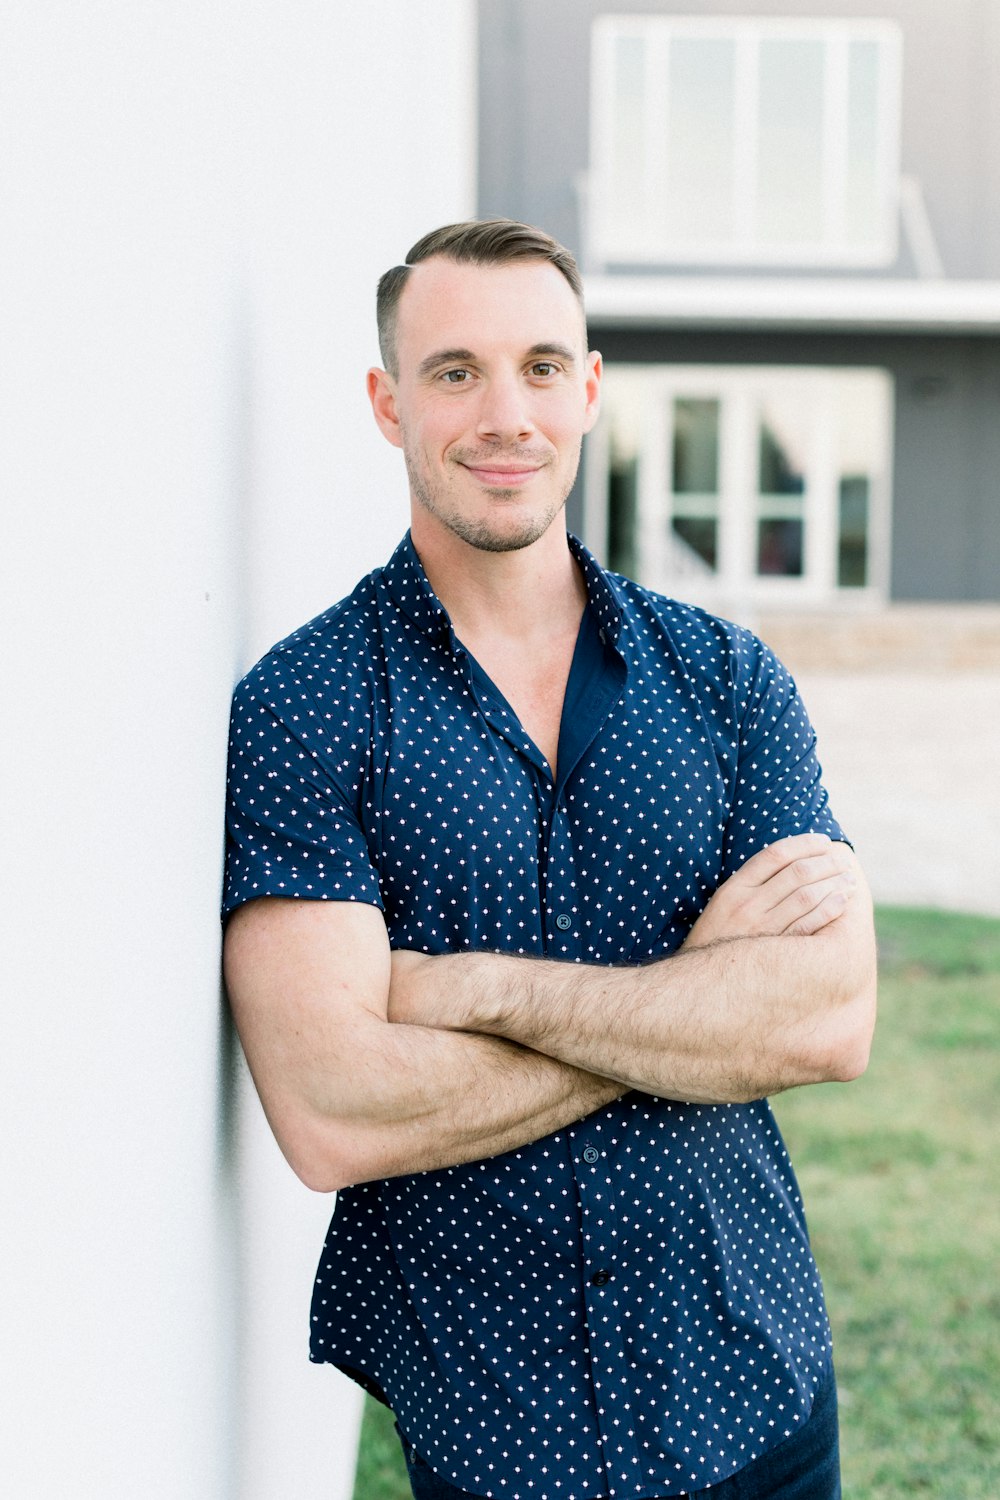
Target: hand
[(792, 888)]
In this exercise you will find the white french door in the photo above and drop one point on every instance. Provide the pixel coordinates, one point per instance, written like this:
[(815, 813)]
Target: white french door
[(750, 484)]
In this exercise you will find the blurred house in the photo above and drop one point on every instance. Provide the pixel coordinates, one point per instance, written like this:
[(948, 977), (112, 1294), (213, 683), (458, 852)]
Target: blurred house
[(789, 225), (790, 229)]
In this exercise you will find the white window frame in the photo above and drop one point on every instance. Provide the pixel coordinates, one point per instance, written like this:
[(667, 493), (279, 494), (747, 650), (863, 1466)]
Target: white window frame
[(736, 587), (609, 242)]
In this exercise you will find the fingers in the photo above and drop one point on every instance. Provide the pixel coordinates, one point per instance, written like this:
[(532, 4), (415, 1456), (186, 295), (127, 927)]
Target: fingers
[(795, 887), (811, 883), (811, 907), (766, 863)]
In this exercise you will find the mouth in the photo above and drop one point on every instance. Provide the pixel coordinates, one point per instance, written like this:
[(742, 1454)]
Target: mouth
[(503, 476)]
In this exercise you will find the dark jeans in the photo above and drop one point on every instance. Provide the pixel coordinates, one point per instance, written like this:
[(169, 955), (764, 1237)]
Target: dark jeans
[(805, 1466)]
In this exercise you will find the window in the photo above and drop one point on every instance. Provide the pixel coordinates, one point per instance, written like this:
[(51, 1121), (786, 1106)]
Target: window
[(742, 484), (719, 140)]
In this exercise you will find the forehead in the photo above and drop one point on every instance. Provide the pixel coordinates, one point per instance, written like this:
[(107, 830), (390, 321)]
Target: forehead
[(514, 306)]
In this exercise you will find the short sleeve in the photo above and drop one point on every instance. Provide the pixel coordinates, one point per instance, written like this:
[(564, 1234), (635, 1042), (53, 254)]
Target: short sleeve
[(779, 789), (292, 827)]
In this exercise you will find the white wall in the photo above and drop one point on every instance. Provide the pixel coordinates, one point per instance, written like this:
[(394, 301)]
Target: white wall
[(197, 198)]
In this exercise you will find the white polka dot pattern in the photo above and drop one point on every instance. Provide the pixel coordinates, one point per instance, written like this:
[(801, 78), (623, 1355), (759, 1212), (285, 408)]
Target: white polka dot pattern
[(628, 1307)]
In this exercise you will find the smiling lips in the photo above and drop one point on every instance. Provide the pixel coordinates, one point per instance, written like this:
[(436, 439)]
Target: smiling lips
[(503, 476)]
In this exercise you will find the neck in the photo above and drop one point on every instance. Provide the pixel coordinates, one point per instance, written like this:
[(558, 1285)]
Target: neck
[(517, 595)]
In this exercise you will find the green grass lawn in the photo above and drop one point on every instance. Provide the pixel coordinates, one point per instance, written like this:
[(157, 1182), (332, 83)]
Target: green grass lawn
[(902, 1187), (900, 1176)]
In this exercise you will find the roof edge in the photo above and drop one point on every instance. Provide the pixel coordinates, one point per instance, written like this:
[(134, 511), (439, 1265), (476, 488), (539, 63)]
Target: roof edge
[(883, 305)]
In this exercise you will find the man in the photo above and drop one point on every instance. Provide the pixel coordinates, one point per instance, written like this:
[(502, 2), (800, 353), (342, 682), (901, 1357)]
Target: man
[(567, 902)]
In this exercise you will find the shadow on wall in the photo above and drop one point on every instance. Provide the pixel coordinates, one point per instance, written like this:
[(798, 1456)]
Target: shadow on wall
[(230, 1278)]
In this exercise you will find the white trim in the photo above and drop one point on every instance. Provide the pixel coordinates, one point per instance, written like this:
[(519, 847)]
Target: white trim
[(803, 302)]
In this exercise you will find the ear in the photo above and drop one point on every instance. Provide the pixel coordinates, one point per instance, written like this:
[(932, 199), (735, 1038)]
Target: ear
[(382, 395), (595, 370)]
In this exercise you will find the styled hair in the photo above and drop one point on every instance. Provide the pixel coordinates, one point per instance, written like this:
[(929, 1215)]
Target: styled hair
[(478, 242)]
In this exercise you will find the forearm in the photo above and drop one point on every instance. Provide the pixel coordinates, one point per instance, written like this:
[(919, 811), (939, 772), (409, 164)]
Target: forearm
[(426, 1098), (351, 1097), (726, 1023)]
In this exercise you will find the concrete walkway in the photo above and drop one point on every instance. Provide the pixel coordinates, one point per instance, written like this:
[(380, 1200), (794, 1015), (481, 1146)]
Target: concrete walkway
[(912, 764)]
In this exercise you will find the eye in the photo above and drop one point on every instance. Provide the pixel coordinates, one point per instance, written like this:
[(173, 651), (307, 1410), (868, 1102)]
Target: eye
[(455, 377), (544, 368)]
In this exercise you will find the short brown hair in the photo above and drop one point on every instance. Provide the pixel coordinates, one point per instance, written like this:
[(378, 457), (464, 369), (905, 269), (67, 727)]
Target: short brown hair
[(479, 242)]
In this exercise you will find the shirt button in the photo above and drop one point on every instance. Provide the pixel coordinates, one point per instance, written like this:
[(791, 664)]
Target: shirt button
[(600, 1278), (564, 921), (591, 1154)]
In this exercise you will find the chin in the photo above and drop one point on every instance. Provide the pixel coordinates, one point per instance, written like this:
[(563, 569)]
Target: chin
[(518, 533)]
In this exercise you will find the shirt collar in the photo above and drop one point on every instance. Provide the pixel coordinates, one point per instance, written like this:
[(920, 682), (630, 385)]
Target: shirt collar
[(410, 587), (602, 590)]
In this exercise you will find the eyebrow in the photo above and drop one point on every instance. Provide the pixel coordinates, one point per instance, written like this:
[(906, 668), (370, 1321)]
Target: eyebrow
[(465, 357), (445, 357), (558, 351)]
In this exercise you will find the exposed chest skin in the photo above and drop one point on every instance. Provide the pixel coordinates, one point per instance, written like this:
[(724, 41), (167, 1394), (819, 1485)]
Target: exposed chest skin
[(533, 682)]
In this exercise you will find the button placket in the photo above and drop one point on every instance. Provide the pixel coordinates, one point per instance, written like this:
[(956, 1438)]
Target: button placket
[(607, 1359), (560, 881)]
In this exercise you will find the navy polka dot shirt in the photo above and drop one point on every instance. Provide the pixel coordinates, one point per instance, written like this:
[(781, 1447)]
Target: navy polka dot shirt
[(628, 1307)]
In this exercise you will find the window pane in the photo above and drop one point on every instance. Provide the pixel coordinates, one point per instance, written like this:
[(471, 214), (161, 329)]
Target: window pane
[(860, 458), (790, 142), (852, 540), (782, 446), (863, 217), (700, 139), (628, 150), (623, 515), (696, 447), (779, 548), (698, 534)]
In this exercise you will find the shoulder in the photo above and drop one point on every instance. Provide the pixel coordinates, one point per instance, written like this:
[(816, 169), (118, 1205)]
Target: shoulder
[(712, 649), (314, 694), (330, 651)]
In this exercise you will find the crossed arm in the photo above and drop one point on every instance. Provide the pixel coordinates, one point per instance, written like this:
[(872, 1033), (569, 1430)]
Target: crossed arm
[(370, 1064)]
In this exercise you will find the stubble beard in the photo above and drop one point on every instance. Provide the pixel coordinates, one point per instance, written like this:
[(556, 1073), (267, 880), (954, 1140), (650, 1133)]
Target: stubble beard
[(480, 533)]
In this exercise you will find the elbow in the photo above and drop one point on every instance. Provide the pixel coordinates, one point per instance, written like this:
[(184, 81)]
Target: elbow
[(328, 1152), (848, 1049), (850, 1061), (319, 1176), (321, 1155)]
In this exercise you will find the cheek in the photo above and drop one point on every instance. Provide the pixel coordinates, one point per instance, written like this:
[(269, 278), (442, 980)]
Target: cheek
[(440, 429), (566, 420), (567, 434)]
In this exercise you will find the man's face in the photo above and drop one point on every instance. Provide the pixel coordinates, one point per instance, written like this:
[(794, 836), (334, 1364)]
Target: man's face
[(494, 393)]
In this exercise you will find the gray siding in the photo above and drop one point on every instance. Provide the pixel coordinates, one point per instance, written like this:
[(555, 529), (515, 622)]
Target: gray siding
[(534, 148)]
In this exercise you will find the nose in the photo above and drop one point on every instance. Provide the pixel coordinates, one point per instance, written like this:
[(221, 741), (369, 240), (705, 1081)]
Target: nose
[(504, 412)]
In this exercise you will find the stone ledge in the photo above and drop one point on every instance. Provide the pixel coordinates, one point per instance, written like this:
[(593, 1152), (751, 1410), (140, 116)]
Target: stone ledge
[(905, 638)]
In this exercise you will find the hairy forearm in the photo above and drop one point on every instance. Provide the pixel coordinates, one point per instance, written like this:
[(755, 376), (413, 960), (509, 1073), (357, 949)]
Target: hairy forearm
[(351, 1097), (725, 1023), (420, 1098)]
